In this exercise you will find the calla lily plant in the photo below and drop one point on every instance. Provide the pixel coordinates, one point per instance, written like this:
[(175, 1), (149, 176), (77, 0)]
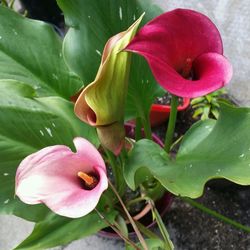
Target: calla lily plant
[(62, 185)]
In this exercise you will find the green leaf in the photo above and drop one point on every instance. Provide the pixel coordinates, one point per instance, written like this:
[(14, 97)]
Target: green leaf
[(92, 24), (57, 230), (31, 52), (206, 111), (197, 100), (153, 244), (210, 149), (198, 112), (27, 125), (215, 112)]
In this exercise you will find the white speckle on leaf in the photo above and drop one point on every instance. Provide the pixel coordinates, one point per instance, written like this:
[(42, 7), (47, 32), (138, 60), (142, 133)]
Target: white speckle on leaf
[(6, 201), (207, 126), (49, 131), (53, 124), (55, 76), (98, 52), (37, 87), (41, 132), (241, 156), (14, 31), (60, 55), (134, 17), (5, 174), (191, 165), (120, 12), (219, 170), (0, 37), (89, 17)]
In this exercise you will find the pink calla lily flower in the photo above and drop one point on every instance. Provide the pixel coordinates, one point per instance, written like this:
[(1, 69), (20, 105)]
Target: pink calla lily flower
[(185, 53), (69, 183)]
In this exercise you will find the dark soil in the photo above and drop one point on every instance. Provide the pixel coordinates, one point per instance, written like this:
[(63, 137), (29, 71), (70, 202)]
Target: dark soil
[(192, 229), (166, 99)]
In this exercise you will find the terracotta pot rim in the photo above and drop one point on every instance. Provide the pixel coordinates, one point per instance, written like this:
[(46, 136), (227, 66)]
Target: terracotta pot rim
[(167, 198), (167, 108)]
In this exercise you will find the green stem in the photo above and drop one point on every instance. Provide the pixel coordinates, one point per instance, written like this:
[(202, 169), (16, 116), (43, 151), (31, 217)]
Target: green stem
[(146, 231), (12, 4), (138, 233), (115, 170), (147, 128), (138, 129), (127, 240), (171, 123), (161, 225), (216, 215), (136, 200)]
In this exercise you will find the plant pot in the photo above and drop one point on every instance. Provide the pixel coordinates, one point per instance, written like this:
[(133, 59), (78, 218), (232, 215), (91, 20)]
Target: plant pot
[(145, 215), (159, 113)]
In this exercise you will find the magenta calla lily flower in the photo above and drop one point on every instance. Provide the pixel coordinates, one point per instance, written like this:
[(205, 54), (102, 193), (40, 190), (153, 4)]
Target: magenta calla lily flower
[(69, 183), (185, 53)]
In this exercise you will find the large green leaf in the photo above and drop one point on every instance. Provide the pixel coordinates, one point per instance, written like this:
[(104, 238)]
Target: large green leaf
[(27, 125), (221, 150), (92, 23), (57, 230), (31, 52)]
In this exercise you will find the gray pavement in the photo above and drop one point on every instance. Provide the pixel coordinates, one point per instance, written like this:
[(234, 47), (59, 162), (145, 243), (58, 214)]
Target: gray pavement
[(233, 20)]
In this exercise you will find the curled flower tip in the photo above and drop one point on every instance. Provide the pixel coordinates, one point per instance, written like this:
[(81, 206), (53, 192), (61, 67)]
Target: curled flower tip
[(175, 44), (69, 183), (112, 137), (102, 102)]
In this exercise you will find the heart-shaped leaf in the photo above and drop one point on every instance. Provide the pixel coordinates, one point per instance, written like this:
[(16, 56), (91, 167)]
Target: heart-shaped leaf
[(211, 149), (31, 52)]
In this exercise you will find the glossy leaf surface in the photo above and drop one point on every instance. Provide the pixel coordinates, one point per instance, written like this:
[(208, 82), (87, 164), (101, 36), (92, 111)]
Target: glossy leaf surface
[(210, 149), (31, 52)]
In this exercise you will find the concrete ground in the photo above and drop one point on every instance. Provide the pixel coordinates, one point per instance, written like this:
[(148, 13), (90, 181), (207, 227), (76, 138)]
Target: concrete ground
[(233, 20)]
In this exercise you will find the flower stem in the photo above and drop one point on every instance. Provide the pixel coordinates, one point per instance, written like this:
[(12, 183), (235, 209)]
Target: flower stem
[(216, 215), (127, 240), (147, 128), (119, 182), (138, 128), (168, 243), (171, 123), (146, 231), (138, 233)]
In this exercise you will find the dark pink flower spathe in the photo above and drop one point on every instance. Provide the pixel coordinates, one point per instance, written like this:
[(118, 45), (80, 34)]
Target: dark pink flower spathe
[(185, 53), (52, 176)]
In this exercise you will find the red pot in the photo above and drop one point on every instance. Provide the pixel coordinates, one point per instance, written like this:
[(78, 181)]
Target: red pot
[(159, 113), (162, 206), (145, 216)]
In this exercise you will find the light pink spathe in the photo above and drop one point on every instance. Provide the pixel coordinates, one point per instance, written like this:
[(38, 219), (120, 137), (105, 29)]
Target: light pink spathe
[(49, 176)]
